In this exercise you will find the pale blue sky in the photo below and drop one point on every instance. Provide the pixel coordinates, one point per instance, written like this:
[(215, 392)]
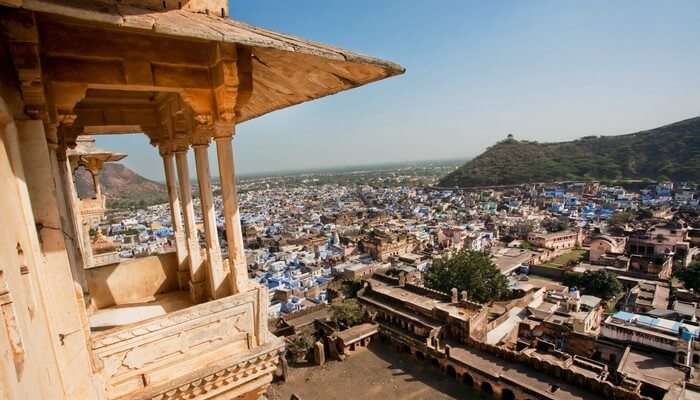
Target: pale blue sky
[(542, 70)]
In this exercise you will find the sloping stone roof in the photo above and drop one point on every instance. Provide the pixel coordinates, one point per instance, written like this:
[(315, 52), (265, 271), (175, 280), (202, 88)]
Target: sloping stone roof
[(287, 70), (86, 147)]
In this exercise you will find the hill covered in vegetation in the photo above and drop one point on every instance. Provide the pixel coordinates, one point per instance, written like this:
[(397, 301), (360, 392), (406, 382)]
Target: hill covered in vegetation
[(123, 187), (668, 152)]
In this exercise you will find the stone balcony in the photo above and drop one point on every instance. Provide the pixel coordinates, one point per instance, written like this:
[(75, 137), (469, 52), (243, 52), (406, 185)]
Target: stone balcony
[(100, 260), (150, 341), (193, 353), (93, 209)]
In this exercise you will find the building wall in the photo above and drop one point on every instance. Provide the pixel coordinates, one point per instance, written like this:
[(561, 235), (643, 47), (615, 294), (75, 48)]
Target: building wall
[(557, 241), (43, 343), (24, 338), (621, 334), (599, 247), (114, 284)]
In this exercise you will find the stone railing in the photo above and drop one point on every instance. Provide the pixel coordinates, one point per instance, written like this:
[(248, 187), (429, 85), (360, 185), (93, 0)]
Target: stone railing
[(99, 260), (176, 351)]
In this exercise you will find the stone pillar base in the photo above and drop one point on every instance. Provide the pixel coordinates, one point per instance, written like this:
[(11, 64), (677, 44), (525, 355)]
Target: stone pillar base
[(198, 291), (319, 354), (183, 279)]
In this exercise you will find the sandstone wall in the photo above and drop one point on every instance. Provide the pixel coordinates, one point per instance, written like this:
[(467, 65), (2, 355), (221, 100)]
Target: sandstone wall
[(132, 281)]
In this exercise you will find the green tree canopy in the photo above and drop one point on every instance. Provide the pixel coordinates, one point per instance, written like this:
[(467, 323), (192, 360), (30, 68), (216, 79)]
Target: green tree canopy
[(555, 224), (620, 218), (644, 213), (350, 288), (468, 270), (668, 152), (347, 313), (603, 284), (690, 276), (302, 342)]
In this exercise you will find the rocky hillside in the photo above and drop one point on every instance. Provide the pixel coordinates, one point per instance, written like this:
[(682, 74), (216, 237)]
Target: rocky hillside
[(122, 186), (669, 152)]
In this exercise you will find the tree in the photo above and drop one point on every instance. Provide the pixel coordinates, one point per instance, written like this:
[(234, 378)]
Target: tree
[(644, 213), (690, 276), (555, 224), (303, 341), (621, 218), (601, 283), (350, 288), (347, 313), (468, 270)]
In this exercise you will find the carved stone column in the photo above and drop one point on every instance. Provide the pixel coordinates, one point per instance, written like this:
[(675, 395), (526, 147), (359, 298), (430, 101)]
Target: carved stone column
[(96, 183), (77, 219), (232, 219), (183, 274), (57, 157), (197, 271), (217, 275)]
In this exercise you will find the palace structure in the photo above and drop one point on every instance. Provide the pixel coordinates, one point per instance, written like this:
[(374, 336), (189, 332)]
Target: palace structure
[(184, 74)]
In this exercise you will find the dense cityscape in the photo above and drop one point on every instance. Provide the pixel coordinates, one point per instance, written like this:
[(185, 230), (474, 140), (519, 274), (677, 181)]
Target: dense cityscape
[(588, 266), (538, 251)]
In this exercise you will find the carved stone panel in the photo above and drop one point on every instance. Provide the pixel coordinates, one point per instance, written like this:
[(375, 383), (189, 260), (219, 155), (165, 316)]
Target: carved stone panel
[(160, 350)]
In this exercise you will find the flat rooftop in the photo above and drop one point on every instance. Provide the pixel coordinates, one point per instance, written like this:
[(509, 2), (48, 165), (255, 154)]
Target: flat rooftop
[(419, 300), (525, 376), (508, 259), (652, 369)]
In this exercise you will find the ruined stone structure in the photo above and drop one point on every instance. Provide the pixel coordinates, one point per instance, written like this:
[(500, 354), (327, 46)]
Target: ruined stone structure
[(183, 74)]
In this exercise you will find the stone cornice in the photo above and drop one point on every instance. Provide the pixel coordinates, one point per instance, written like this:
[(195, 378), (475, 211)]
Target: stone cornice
[(250, 366)]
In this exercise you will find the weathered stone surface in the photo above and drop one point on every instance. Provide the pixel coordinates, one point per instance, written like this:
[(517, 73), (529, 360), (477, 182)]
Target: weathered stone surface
[(286, 70), (319, 354)]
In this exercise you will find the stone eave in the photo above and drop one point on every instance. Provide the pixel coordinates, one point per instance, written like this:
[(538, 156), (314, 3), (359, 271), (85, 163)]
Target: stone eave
[(287, 70)]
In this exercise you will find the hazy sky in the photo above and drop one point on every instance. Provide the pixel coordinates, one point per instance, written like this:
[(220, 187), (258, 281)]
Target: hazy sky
[(476, 71)]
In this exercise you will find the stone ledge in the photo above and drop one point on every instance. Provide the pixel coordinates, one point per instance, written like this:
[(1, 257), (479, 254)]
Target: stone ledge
[(227, 374)]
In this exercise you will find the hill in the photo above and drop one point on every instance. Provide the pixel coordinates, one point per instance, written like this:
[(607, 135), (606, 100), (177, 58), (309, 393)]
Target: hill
[(122, 186), (668, 152)]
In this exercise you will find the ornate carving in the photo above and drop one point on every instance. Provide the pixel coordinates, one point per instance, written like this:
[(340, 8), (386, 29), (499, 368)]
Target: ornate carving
[(23, 40), (179, 122), (203, 129), (66, 119), (203, 119), (244, 64), (139, 354), (180, 144), (231, 377), (224, 129), (180, 317), (68, 131)]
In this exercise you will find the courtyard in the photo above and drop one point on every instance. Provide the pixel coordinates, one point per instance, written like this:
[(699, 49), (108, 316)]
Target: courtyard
[(562, 260), (375, 373)]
